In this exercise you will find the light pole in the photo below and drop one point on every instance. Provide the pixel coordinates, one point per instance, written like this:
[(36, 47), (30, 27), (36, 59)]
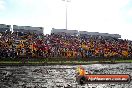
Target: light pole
[(66, 1)]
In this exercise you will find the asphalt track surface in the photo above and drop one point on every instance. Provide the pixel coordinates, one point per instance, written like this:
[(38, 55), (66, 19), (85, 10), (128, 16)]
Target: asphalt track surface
[(58, 76)]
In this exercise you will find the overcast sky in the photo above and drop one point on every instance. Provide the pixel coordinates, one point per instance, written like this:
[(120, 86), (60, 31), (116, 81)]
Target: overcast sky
[(105, 16)]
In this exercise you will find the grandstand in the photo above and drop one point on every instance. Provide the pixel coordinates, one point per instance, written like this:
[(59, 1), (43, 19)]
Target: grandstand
[(30, 29), (4, 27), (68, 32), (84, 33), (56, 31), (97, 34), (62, 43)]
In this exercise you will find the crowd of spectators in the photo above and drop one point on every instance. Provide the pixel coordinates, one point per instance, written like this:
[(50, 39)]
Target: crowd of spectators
[(31, 45)]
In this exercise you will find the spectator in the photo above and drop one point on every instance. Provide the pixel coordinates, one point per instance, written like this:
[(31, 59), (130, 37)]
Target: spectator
[(58, 45)]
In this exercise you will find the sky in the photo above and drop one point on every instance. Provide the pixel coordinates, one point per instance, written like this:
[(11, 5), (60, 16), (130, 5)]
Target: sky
[(104, 16)]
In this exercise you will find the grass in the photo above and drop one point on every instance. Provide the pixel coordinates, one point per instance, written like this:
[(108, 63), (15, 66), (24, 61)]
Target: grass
[(124, 61), (58, 62)]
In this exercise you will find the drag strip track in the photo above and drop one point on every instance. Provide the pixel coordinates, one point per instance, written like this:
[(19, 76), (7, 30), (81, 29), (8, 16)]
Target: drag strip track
[(58, 76)]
